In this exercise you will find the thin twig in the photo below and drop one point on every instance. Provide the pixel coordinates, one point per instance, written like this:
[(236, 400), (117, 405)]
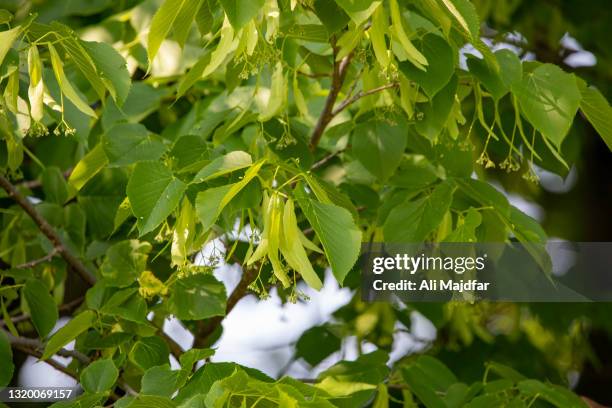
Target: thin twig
[(350, 100), (49, 232), (326, 159), (32, 184), (35, 262)]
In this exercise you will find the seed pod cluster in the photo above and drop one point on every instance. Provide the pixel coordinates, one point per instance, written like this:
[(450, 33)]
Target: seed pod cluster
[(282, 236)]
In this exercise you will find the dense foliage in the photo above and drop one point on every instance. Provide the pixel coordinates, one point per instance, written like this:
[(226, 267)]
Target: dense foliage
[(292, 131)]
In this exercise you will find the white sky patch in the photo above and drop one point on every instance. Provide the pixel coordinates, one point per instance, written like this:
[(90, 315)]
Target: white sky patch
[(554, 183), (580, 58)]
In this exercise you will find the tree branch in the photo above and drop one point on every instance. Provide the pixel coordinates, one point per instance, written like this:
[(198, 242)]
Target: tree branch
[(338, 75), (53, 363), (174, 347), (207, 327), (348, 101), (49, 232), (35, 262), (38, 346), (34, 348)]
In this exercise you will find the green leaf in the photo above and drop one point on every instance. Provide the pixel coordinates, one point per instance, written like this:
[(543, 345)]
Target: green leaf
[(88, 167), (510, 68), (111, 68), (277, 96), (413, 221), (211, 202), (154, 193), (124, 262), (223, 165), (316, 344), (466, 230), (42, 306), (336, 229), (189, 153), (549, 99), (557, 396), (491, 80), (436, 111), (197, 297), (204, 18), (525, 228), (485, 195), (69, 332), (161, 24), (208, 202), (126, 304), (359, 10), (54, 185), (240, 12), (423, 390), (5, 16), (331, 15), (149, 352), (355, 381), (190, 357), (414, 174), (65, 85), (193, 75), (505, 372), (128, 143), (159, 380), (434, 372), (597, 111), (6, 360), (7, 38), (379, 147), (465, 15), (99, 376), (184, 20), (81, 58), (438, 74), (152, 401)]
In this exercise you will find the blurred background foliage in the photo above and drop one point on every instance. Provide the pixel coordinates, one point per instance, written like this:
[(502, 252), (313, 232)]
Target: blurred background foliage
[(566, 343)]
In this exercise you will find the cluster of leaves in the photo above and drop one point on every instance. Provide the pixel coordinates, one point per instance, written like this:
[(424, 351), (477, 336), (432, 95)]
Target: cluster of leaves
[(288, 131)]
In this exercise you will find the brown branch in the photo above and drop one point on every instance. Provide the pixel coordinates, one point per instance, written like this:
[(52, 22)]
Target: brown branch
[(38, 346), (174, 347), (35, 262), (338, 75), (60, 367), (34, 348), (49, 232), (348, 101), (53, 363), (207, 327)]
